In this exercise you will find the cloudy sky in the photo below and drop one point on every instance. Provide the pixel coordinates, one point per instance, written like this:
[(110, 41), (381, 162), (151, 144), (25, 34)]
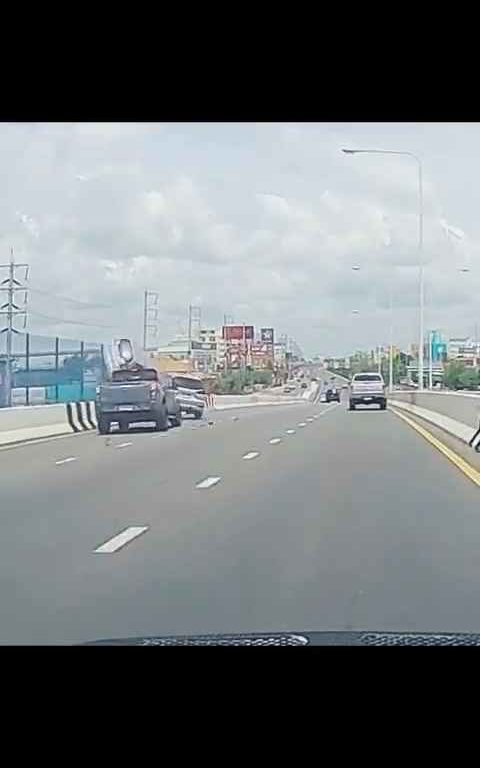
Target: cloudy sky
[(263, 222)]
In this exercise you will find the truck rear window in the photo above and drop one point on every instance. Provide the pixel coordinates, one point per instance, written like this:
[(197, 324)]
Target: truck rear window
[(147, 374), (367, 377)]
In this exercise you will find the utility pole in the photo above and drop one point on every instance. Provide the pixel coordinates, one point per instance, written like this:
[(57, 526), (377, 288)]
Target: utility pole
[(430, 359), (150, 317), (194, 323), (11, 310)]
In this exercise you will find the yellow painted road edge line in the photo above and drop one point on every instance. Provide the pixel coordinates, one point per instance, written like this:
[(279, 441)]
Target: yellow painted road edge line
[(462, 465)]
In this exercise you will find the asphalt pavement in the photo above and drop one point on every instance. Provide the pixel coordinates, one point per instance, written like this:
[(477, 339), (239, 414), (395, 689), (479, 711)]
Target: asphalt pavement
[(299, 517)]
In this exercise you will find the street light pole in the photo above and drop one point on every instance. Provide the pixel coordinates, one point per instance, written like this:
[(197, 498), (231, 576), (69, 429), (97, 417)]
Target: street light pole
[(420, 241), (430, 359)]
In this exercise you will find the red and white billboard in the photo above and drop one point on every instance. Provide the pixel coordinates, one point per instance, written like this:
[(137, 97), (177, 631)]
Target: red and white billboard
[(238, 332)]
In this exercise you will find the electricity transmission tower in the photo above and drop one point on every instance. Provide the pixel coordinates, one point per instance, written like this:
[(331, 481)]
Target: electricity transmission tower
[(150, 319), (10, 309)]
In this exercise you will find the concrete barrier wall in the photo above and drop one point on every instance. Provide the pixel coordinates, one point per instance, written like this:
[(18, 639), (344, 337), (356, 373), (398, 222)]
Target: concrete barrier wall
[(222, 402), (31, 416), (26, 423), (461, 407)]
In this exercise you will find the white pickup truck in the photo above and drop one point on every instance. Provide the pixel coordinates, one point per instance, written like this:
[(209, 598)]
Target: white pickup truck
[(367, 389)]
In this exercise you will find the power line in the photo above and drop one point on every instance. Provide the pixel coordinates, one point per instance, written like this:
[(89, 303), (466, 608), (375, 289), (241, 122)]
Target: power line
[(73, 301), (69, 322)]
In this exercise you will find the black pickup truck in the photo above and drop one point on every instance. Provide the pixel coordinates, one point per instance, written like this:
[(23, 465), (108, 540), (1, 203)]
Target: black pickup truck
[(135, 395)]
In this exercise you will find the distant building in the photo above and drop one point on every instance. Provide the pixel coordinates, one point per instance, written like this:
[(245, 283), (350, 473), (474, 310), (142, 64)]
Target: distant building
[(465, 350)]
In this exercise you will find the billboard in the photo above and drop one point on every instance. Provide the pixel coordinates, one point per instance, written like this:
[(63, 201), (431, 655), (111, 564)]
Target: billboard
[(267, 335), (238, 332)]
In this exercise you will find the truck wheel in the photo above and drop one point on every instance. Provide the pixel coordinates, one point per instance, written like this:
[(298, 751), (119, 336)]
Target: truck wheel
[(383, 405), (351, 406), (162, 421), (177, 420), (103, 426)]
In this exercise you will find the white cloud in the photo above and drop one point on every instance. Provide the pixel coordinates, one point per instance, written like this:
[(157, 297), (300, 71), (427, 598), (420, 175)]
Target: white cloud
[(265, 221)]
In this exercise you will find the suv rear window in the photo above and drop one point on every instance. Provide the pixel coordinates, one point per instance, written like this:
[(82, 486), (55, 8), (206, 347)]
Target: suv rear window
[(367, 377), (187, 383)]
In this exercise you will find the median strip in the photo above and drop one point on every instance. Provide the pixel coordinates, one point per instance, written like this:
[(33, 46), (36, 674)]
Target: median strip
[(121, 539)]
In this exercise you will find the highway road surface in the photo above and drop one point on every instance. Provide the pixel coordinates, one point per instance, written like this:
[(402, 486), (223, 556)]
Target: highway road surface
[(299, 517)]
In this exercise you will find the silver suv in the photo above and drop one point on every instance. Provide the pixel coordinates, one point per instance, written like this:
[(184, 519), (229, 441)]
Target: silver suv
[(367, 389)]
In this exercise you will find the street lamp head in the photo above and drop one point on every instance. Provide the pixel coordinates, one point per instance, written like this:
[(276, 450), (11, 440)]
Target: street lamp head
[(355, 267), (349, 151), (464, 269)]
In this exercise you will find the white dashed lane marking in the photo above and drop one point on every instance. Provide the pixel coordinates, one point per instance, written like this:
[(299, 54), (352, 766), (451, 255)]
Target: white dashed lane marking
[(275, 440), (208, 482), (290, 431), (302, 424), (123, 445), (121, 539), (67, 460), (251, 455), (310, 419)]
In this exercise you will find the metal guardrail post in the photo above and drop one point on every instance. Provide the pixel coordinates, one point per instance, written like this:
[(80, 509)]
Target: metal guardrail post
[(27, 366), (56, 367), (82, 372)]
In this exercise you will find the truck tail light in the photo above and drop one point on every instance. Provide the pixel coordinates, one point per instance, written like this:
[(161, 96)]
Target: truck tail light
[(153, 391)]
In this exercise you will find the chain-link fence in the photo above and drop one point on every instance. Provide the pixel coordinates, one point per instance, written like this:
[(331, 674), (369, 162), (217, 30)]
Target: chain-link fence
[(48, 369)]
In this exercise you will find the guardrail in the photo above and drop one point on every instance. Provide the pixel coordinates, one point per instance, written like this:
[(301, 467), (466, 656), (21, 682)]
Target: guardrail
[(455, 412), (460, 406)]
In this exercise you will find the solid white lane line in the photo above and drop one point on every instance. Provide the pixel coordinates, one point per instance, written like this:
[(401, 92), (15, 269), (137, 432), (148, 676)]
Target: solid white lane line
[(123, 445), (290, 431), (66, 461), (251, 455), (122, 538), (208, 482), (275, 440)]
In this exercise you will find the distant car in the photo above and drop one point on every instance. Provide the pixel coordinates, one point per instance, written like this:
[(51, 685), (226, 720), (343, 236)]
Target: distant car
[(367, 389), (303, 385), (190, 394), (332, 395), (288, 389)]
